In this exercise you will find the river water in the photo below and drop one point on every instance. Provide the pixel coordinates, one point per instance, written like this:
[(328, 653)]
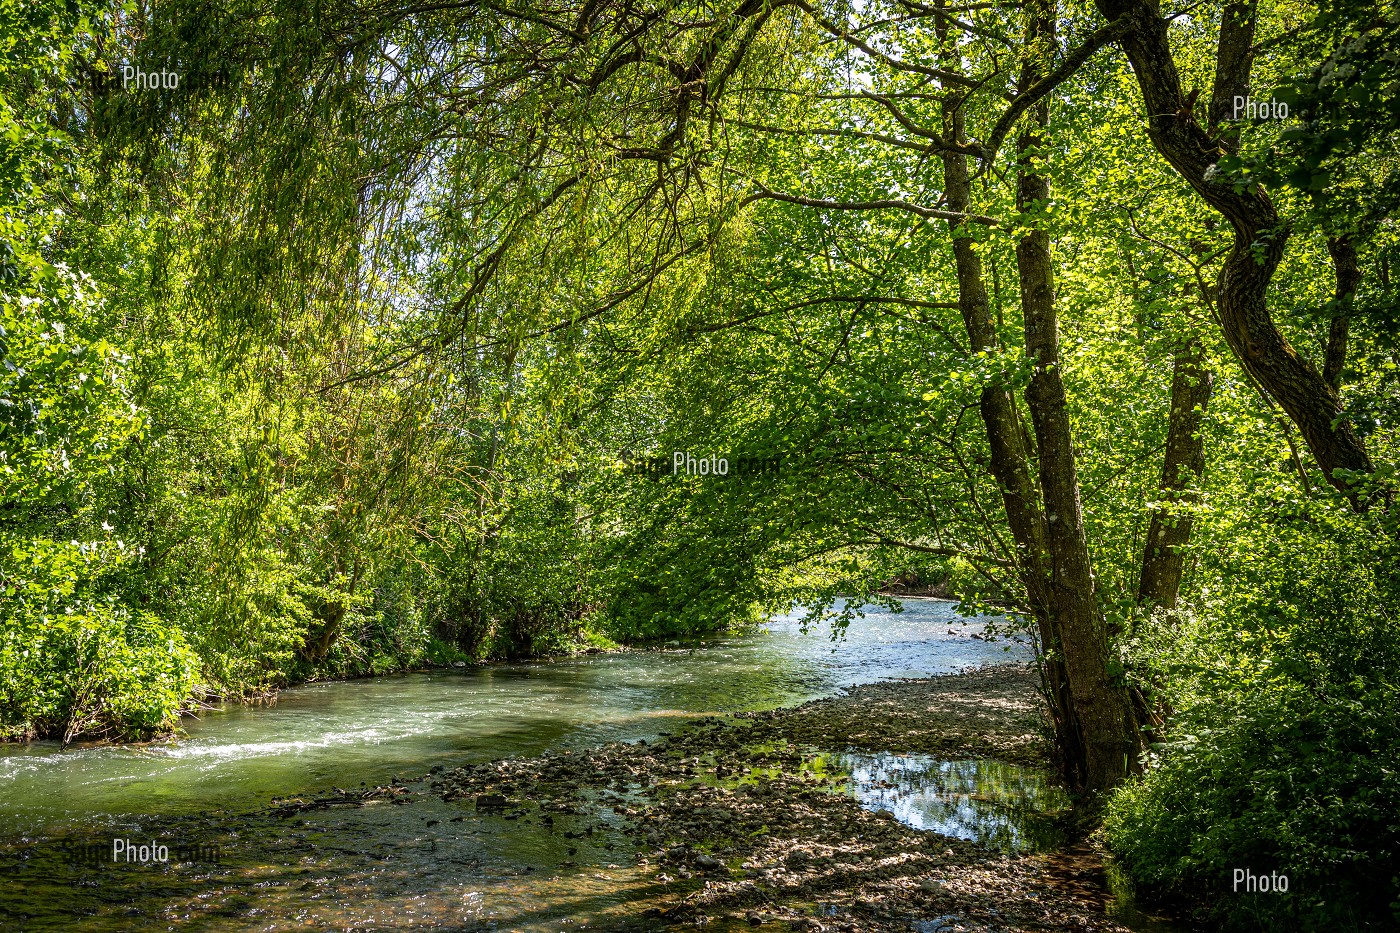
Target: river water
[(246, 867)]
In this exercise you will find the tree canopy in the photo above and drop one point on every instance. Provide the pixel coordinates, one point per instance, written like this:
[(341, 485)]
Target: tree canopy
[(372, 342)]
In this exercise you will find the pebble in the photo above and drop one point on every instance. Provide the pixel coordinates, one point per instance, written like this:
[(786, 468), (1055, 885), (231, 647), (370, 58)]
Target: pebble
[(798, 842)]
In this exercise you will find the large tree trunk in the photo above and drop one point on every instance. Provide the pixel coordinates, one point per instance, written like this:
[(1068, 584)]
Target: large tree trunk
[(1101, 702), (1258, 248), (1234, 61), (1348, 272), (1010, 460), (1169, 531)]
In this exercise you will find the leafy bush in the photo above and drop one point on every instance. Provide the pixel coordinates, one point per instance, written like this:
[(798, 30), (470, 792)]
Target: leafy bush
[(1284, 751), (75, 662), (97, 672), (1277, 779), (440, 654)]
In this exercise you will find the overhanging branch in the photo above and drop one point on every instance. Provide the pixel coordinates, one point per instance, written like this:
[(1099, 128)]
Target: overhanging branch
[(1032, 95), (928, 213)]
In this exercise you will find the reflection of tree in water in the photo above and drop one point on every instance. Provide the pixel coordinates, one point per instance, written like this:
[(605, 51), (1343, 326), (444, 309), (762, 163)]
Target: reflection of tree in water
[(1000, 804)]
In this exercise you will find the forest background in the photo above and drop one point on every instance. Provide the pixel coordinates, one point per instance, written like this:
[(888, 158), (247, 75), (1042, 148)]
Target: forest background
[(334, 359)]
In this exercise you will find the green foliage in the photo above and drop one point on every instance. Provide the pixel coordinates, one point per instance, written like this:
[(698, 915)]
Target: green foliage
[(75, 660), (1285, 747), (64, 411), (74, 664), (1348, 108), (325, 364), (441, 654)]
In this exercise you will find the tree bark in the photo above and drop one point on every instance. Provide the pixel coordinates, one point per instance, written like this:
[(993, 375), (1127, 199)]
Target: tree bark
[(1258, 248), (1234, 60), (1348, 272), (1009, 446), (1101, 701), (1169, 530)]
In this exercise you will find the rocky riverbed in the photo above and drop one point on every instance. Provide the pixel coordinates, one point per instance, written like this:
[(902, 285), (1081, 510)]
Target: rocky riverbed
[(745, 824)]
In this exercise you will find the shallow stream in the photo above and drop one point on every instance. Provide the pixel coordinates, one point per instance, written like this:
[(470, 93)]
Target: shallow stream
[(236, 864)]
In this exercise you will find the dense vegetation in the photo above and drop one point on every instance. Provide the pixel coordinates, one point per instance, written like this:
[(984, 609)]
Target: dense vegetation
[(369, 345)]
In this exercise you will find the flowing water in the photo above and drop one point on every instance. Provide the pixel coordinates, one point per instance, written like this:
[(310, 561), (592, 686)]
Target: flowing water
[(237, 864)]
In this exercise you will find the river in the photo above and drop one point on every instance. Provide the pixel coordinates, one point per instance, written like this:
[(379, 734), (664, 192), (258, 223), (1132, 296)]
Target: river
[(210, 793)]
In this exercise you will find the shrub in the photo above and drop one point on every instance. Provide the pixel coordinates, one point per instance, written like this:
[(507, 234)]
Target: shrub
[(1283, 753), (1277, 777), (96, 672)]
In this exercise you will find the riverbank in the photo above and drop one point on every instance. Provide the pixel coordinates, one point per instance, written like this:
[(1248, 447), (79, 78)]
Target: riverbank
[(743, 824), (774, 797), (205, 697)]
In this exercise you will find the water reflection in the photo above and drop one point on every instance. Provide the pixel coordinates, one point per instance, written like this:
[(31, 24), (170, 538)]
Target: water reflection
[(998, 804), (431, 864), (344, 733)]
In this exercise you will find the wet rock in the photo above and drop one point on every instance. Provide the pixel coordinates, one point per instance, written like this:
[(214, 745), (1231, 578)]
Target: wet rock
[(800, 836), (491, 801)]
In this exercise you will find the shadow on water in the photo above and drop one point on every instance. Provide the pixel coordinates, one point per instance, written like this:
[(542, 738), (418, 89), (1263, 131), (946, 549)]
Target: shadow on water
[(417, 862), (414, 861), (426, 864)]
